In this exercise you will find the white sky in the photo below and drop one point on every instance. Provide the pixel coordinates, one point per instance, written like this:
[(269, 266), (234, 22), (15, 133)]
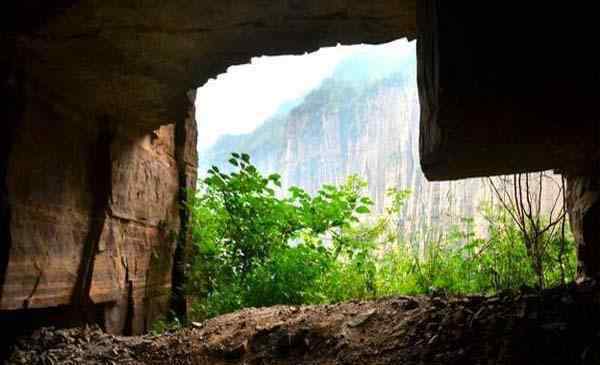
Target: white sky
[(243, 97)]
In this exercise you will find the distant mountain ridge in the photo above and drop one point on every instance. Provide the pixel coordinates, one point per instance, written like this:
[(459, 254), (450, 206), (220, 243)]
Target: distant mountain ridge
[(364, 71), (363, 120)]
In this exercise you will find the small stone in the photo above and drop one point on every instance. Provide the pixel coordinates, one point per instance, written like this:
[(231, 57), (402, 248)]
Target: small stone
[(361, 318), (438, 302), (409, 304), (432, 339)]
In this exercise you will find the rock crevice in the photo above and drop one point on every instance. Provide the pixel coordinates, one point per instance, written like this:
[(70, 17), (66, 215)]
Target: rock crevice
[(583, 201)]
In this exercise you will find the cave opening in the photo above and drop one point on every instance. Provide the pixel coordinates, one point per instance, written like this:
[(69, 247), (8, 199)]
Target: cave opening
[(320, 117), (317, 119), (332, 97), (255, 108)]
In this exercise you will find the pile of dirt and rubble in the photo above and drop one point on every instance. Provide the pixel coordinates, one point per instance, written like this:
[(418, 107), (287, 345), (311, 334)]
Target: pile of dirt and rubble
[(557, 326)]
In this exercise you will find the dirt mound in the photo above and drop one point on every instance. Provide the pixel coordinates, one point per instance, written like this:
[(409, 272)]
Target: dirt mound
[(558, 326)]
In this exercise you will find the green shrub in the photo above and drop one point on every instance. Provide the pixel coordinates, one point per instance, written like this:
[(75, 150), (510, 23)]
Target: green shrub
[(162, 325), (289, 276), (243, 236), (255, 246)]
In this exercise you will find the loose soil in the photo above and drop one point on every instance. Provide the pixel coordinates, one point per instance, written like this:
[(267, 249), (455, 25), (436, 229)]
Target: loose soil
[(556, 326)]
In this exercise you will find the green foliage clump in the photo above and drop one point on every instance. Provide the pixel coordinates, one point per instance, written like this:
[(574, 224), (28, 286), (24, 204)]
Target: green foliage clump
[(165, 324), (256, 246), (253, 247)]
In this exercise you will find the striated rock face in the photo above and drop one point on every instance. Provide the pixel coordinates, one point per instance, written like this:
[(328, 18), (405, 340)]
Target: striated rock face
[(94, 217)]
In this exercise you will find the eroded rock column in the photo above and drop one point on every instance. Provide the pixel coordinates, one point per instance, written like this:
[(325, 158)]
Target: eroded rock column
[(583, 202), (186, 136)]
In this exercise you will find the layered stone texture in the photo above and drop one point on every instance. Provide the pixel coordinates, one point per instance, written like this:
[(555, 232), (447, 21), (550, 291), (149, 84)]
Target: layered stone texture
[(94, 218), (52, 208), (133, 265)]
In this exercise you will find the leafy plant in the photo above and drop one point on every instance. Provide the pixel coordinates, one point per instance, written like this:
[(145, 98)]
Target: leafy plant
[(255, 245), (243, 231), (163, 325)]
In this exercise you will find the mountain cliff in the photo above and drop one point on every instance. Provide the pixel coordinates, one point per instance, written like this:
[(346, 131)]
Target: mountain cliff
[(363, 120)]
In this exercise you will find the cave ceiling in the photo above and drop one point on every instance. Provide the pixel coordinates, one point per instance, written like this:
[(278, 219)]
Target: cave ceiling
[(131, 62)]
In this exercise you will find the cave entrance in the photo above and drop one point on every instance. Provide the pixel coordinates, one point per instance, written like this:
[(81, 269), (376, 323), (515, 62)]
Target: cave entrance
[(317, 118), (320, 117)]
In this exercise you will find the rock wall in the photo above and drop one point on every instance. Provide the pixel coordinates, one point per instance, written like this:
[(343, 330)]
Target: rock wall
[(500, 100), (94, 218), (583, 200), (373, 134)]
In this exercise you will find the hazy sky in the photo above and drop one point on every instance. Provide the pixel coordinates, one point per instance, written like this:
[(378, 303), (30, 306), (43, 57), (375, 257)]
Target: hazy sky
[(243, 97)]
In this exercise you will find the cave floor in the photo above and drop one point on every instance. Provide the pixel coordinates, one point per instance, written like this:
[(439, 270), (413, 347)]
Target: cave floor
[(556, 326)]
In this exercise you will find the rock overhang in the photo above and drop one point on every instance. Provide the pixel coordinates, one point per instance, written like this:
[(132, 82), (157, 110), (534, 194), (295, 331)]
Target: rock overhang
[(483, 74), (505, 89), (133, 63)]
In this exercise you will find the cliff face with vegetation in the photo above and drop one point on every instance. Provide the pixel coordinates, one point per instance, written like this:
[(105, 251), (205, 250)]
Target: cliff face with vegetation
[(362, 120)]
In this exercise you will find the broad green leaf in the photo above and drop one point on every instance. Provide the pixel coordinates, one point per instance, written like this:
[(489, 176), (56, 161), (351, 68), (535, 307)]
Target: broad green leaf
[(362, 209)]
